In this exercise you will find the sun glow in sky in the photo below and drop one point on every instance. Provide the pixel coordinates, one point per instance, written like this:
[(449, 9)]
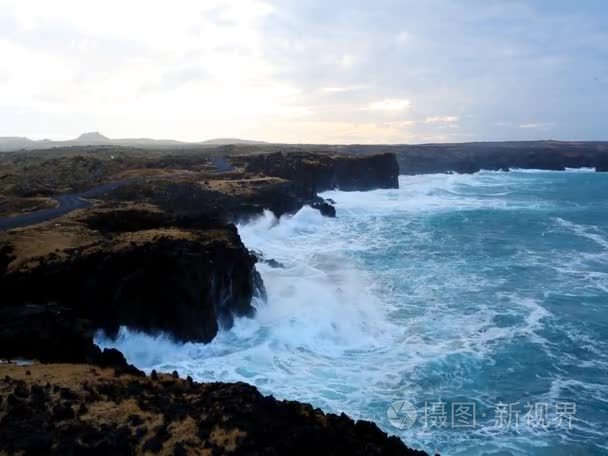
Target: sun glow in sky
[(315, 71)]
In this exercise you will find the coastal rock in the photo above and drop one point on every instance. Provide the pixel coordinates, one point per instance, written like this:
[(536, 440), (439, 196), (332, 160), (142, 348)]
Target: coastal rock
[(162, 253), (53, 334), (324, 208), (187, 183), (261, 258), (312, 173), (46, 333), (226, 200), (78, 409), (185, 282)]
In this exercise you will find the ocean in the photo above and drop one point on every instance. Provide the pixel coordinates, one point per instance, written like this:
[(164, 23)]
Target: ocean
[(466, 314)]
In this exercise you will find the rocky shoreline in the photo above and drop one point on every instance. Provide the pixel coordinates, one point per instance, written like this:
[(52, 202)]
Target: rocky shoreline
[(85, 409), (158, 253), (161, 253), (468, 158)]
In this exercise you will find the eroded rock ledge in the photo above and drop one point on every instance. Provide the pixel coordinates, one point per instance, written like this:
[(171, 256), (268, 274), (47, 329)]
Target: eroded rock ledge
[(313, 173), (133, 265)]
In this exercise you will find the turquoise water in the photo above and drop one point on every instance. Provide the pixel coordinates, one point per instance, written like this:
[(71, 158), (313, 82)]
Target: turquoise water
[(483, 289)]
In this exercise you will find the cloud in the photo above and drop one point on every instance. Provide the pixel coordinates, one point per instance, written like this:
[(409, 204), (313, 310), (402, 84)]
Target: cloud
[(175, 78), (280, 69), (341, 132), (343, 89), (403, 123), (392, 104), (190, 72), (403, 38), (538, 126), (347, 61), (441, 119)]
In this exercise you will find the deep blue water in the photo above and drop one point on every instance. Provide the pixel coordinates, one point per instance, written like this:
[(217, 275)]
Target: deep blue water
[(484, 289)]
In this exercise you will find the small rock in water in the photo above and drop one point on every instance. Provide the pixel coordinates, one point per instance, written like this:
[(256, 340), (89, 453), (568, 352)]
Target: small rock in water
[(325, 208), (274, 263)]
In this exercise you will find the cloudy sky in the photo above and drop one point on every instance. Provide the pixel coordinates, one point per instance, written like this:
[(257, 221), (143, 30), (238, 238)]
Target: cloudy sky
[(339, 71)]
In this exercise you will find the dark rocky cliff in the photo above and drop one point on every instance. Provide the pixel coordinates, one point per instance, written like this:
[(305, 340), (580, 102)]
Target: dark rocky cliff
[(66, 409), (161, 277), (319, 172)]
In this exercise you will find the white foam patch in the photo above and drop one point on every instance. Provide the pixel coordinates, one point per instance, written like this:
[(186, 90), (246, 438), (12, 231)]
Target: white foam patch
[(592, 233), (544, 171)]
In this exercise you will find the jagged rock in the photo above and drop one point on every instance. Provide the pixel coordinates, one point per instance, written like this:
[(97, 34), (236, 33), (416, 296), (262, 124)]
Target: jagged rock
[(132, 414), (261, 258), (274, 263), (182, 281), (325, 208)]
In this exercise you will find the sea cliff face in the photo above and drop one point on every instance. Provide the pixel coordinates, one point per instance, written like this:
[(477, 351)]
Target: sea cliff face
[(319, 172), (184, 282)]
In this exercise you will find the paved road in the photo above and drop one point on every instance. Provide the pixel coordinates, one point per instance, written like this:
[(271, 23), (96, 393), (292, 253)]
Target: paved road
[(67, 203)]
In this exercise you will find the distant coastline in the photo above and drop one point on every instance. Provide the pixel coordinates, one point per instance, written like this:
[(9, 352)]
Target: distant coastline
[(413, 158)]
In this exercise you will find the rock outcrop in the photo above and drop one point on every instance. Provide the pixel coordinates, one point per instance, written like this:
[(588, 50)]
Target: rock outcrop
[(312, 173), (83, 409), (281, 183), (133, 266), (54, 334), (226, 200), (46, 333)]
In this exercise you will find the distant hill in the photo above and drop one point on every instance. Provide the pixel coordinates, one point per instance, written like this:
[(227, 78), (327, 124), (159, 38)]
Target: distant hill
[(16, 143), (9, 143), (93, 137)]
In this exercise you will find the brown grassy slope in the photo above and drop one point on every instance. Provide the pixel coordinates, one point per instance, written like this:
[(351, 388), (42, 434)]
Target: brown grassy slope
[(75, 409)]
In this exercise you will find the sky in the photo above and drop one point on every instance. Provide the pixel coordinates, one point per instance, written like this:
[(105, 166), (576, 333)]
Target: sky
[(306, 71)]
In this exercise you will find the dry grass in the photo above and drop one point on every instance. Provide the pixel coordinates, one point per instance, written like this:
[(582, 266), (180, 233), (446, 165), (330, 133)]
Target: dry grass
[(81, 378)]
